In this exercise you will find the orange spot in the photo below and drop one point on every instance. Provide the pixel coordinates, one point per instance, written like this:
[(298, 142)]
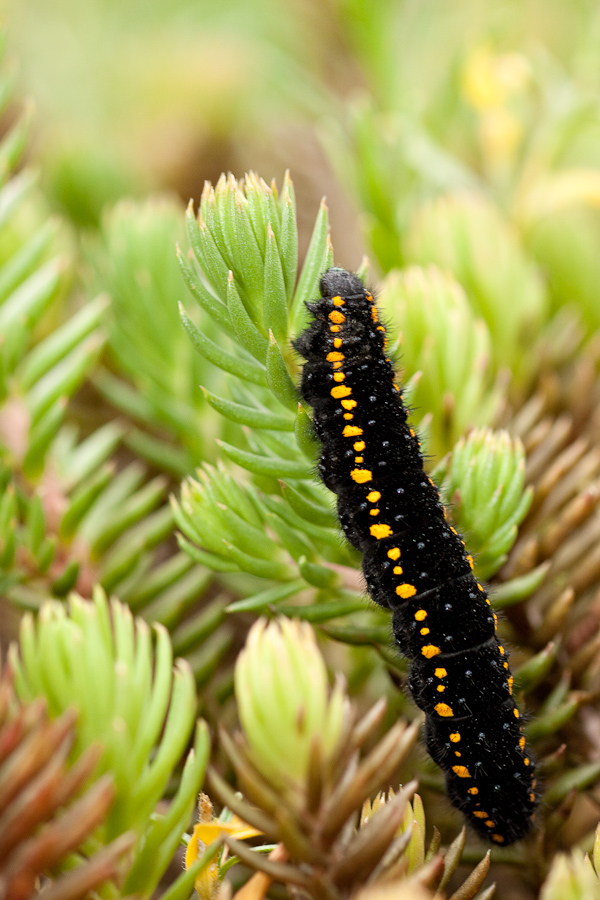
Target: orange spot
[(479, 814), (361, 476), (461, 771), (442, 709), (420, 615), (516, 713), (455, 738), (351, 430), (405, 590), (372, 496), (430, 650), (498, 838), (348, 404), (341, 391), (337, 317), (339, 376), (424, 631), (337, 301), (374, 512), (394, 553), (334, 356), (359, 459), (348, 416), (334, 328), (358, 446), (441, 687), (337, 342), (398, 570), (440, 673), (469, 557), (473, 791), (380, 531)]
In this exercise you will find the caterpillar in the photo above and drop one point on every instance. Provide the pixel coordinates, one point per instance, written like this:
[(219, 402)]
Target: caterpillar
[(415, 563)]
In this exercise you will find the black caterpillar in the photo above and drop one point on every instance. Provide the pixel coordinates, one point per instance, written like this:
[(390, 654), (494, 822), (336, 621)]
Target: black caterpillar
[(415, 563)]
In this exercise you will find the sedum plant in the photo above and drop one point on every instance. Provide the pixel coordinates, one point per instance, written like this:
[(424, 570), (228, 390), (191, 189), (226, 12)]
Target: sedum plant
[(301, 763), (46, 817), (474, 168), (134, 704)]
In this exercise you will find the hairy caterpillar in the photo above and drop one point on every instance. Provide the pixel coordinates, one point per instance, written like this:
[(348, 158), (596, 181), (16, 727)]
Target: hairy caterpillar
[(415, 563)]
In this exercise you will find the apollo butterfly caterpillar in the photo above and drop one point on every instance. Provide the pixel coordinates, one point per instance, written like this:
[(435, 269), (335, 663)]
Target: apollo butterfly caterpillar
[(415, 563)]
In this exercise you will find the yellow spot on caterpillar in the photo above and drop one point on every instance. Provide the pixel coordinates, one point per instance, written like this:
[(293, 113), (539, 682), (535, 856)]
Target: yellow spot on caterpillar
[(511, 681), (334, 328), (420, 615), (456, 753), (428, 651), (469, 557), (341, 391), (516, 713), (442, 709), (479, 814), (380, 530), (374, 512), (337, 342), (455, 738), (479, 586), (498, 838), (369, 296), (351, 430), (361, 476), (372, 496), (339, 376), (380, 328), (358, 446), (405, 590), (495, 620), (348, 404), (505, 665), (337, 301), (334, 356), (337, 317), (461, 771), (374, 315), (453, 530), (441, 687), (501, 649), (424, 631), (396, 388), (473, 791), (398, 570), (440, 673), (526, 761), (522, 743), (412, 432), (532, 797), (348, 416), (359, 459), (394, 553), (490, 824)]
